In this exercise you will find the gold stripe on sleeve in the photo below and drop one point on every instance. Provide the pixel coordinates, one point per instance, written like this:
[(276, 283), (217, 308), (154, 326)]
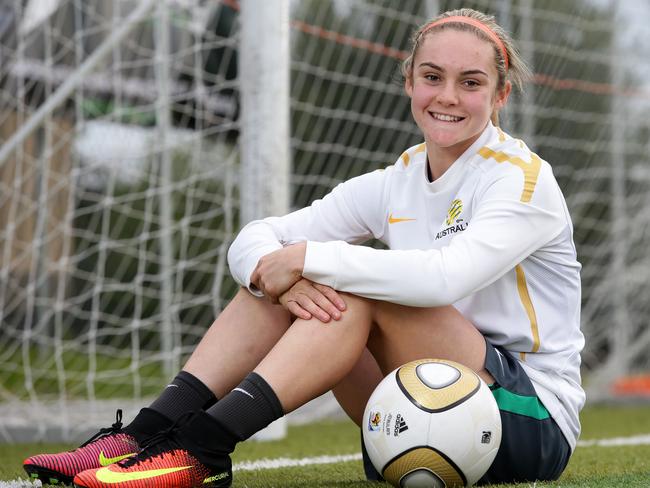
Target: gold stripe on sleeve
[(405, 159), (530, 168), (522, 287)]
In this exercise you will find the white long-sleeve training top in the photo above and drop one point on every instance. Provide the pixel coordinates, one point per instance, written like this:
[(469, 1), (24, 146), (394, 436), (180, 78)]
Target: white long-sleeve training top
[(492, 236)]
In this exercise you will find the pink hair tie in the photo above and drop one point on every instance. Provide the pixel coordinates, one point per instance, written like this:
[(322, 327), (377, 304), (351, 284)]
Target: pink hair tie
[(476, 23)]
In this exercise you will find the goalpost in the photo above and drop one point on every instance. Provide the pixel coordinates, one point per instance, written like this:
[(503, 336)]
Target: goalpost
[(138, 136)]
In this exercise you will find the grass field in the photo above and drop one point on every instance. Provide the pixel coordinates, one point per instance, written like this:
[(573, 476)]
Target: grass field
[(592, 466)]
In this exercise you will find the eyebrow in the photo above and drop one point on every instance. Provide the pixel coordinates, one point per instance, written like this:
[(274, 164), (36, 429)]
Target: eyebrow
[(465, 73)]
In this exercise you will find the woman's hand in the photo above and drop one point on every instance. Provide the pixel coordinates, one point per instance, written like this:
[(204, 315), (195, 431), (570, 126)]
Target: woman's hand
[(278, 271), (307, 299)]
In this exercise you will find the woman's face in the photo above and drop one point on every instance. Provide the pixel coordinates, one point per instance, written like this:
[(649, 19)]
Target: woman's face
[(453, 89)]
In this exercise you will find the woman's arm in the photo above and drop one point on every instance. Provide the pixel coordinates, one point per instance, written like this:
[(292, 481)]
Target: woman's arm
[(502, 232), (352, 212)]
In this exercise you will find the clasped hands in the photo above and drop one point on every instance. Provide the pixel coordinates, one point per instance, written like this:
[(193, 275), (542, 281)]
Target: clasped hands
[(279, 276)]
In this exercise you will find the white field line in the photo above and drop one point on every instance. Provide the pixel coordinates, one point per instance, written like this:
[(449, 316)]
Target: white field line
[(293, 462), (17, 483), (636, 440)]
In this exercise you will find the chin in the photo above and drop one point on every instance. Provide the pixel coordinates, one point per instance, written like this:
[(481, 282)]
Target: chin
[(453, 138), (446, 140)]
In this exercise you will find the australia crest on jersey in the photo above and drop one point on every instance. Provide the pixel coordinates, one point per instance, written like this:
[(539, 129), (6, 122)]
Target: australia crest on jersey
[(453, 223)]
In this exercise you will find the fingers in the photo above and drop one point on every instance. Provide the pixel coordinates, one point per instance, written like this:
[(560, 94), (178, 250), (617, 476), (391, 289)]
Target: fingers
[(307, 304), (325, 304), (260, 284), (332, 295), (306, 300), (278, 271), (297, 310)]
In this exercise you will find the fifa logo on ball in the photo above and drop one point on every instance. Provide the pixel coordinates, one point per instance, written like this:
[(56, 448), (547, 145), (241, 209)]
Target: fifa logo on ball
[(374, 421)]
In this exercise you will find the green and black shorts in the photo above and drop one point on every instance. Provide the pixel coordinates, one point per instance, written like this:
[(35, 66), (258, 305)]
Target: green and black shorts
[(532, 445)]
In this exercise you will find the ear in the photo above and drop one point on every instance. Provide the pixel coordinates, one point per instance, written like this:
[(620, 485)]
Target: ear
[(502, 96), (408, 87)]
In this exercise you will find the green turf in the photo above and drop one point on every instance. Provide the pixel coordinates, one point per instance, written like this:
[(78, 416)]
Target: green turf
[(590, 467), (113, 373)]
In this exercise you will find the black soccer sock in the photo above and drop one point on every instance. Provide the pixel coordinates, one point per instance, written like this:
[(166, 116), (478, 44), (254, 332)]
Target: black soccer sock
[(147, 423), (247, 409), (185, 393), (204, 437)]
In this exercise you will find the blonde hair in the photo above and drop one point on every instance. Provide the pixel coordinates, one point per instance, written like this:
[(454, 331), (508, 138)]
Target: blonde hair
[(510, 67)]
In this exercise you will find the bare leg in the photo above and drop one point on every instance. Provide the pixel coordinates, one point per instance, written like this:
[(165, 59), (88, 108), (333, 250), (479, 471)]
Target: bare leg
[(353, 391), (236, 342), (405, 333), (313, 357)]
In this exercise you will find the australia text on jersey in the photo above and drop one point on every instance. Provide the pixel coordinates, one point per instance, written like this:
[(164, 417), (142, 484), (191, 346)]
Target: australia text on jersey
[(459, 226)]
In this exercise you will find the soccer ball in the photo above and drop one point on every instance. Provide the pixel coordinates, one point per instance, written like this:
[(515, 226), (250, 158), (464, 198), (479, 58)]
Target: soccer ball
[(432, 423)]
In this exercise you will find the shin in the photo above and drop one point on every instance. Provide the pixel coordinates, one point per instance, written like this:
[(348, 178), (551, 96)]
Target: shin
[(239, 338)]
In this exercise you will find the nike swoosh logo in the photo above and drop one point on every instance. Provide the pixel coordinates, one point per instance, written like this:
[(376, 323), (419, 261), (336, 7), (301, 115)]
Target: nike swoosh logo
[(244, 392), (105, 475), (394, 220), (104, 461)]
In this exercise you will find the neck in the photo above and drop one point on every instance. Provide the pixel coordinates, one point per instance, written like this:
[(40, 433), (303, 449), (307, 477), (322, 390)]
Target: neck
[(440, 159)]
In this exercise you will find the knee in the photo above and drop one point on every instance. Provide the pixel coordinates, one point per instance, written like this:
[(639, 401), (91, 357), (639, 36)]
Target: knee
[(379, 312), (385, 312), (358, 305), (247, 303), (245, 298)]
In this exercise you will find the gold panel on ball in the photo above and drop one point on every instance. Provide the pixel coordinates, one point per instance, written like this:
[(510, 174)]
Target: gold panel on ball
[(437, 400), (423, 458)]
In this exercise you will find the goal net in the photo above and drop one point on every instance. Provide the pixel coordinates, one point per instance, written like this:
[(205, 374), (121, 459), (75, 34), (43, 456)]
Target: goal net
[(119, 201)]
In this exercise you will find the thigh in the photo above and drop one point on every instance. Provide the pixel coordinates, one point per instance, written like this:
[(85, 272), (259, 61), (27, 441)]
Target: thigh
[(403, 334), (532, 445)]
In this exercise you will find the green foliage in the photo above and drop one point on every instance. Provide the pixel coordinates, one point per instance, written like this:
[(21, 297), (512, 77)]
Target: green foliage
[(94, 108)]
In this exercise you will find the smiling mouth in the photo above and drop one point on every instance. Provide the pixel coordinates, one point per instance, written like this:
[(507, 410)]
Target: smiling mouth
[(445, 117)]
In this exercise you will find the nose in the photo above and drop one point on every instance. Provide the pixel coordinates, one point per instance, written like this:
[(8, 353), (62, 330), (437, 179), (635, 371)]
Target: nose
[(448, 94)]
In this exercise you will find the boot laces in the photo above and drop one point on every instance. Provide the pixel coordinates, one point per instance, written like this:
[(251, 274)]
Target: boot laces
[(164, 441), (116, 428)]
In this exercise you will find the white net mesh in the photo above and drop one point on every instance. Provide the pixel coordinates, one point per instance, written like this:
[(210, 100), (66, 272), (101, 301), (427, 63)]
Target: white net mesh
[(117, 209)]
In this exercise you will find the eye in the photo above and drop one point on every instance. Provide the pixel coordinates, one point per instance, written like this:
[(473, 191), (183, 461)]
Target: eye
[(471, 83), (431, 77)]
